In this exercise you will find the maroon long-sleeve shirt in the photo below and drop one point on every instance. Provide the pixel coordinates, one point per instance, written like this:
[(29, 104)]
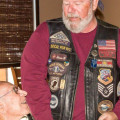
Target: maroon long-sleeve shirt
[(34, 71)]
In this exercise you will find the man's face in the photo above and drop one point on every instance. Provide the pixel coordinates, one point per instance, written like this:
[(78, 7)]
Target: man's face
[(77, 14), (16, 103)]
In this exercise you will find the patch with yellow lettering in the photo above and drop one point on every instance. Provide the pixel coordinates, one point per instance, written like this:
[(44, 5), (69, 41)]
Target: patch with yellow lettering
[(57, 69), (60, 47), (59, 38), (54, 83), (105, 76), (105, 106)]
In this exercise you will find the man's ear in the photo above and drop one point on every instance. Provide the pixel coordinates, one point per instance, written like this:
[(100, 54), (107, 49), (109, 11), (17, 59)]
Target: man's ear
[(94, 4), (2, 107)]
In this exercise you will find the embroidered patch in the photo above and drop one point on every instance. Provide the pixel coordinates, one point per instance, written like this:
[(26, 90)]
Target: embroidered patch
[(104, 63), (62, 84), (107, 48), (105, 76), (105, 91), (60, 38), (105, 106), (66, 63), (61, 47), (53, 102), (58, 56), (54, 83), (56, 69)]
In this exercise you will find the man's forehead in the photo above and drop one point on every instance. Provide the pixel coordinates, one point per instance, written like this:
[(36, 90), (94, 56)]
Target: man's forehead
[(5, 88)]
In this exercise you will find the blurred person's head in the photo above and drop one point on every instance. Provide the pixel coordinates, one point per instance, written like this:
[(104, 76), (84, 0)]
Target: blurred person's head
[(78, 15), (13, 104)]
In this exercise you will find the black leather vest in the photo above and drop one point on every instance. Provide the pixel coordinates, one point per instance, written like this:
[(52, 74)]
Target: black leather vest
[(100, 75)]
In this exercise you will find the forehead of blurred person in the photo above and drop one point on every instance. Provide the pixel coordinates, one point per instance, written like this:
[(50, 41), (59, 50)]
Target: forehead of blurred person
[(15, 104)]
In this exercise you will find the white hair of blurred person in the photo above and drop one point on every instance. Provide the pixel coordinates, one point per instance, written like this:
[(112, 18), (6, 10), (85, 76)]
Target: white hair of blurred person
[(13, 104)]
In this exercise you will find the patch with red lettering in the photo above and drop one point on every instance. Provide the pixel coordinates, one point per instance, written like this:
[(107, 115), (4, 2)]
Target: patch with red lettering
[(58, 56), (107, 48)]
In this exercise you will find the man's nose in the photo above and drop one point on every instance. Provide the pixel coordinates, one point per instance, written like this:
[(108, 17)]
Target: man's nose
[(71, 8), (22, 93)]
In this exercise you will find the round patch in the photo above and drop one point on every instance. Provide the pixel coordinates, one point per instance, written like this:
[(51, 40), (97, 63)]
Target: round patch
[(54, 83), (105, 106), (53, 102)]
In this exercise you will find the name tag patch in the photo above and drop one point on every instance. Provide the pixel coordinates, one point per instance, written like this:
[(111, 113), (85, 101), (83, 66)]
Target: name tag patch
[(62, 84)]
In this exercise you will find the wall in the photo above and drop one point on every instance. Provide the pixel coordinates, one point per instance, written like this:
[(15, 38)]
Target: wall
[(52, 9), (112, 11)]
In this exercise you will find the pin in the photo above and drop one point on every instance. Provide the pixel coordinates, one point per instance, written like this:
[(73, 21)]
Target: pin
[(93, 63), (49, 61), (94, 53)]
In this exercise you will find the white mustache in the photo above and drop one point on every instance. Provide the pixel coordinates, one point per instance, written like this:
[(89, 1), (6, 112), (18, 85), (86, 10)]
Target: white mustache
[(73, 15)]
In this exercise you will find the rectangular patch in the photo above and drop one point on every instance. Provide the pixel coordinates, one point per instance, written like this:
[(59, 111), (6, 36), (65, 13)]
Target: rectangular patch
[(107, 48), (61, 47), (104, 63)]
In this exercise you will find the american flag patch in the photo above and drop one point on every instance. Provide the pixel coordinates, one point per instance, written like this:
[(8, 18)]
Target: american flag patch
[(107, 48)]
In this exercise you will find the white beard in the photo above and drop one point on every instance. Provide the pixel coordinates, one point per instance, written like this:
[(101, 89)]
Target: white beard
[(79, 26)]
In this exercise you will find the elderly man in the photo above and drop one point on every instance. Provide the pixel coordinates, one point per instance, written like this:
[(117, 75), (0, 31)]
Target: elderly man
[(81, 57), (13, 104)]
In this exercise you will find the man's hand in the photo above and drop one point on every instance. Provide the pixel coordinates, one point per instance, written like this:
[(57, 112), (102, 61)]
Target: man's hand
[(108, 116)]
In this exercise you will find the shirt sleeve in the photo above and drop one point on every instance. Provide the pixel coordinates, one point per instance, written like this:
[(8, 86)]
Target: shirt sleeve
[(117, 106), (34, 72)]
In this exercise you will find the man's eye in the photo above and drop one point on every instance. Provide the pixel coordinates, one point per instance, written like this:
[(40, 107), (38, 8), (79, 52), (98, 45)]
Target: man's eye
[(66, 3), (77, 3)]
